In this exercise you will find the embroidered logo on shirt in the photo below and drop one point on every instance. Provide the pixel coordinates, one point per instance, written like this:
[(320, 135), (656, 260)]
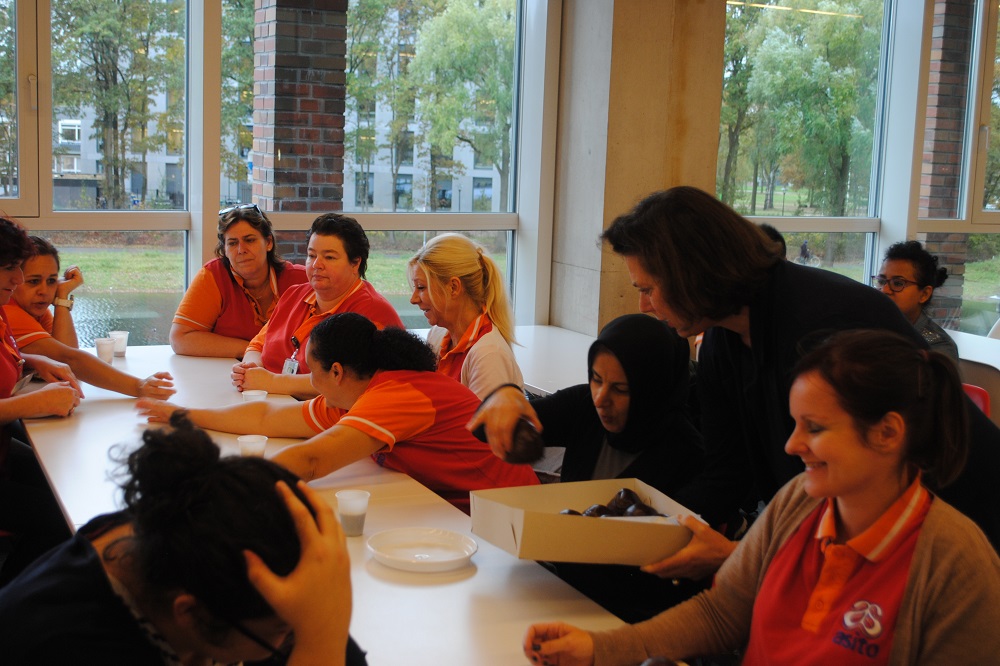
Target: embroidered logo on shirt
[(863, 623), (864, 616)]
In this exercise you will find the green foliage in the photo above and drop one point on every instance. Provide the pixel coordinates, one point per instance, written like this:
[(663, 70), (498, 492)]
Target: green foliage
[(8, 99), (237, 86), (982, 247)]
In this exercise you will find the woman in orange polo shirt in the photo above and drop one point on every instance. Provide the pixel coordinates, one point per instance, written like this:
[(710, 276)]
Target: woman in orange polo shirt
[(379, 397), (854, 561), (461, 292), (336, 261), (233, 295)]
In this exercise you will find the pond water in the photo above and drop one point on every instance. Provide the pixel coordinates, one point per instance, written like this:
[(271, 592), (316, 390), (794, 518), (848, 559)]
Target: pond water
[(147, 316)]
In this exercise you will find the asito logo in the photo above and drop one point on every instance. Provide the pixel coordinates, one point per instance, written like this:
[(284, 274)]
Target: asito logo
[(864, 616)]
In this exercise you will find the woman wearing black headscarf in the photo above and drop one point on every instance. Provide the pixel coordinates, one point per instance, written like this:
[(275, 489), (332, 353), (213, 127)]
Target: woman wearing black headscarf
[(638, 427), (629, 421)]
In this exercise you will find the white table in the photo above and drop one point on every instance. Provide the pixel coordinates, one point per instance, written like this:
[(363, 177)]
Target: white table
[(979, 364), (476, 615)]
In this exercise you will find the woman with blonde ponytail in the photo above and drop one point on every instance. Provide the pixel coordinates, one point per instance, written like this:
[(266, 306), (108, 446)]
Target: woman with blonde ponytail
[(460, 290)]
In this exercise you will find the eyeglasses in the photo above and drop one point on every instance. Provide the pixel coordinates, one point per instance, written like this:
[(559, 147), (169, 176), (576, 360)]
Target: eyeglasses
[(896, 283), (278, 652), (249, 206)]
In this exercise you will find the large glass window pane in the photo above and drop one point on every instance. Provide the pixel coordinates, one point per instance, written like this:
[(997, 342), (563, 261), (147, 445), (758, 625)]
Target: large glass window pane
[(133, 281), (118, 93), (981, 290), (430, 96), (800, 90), (8, 99)]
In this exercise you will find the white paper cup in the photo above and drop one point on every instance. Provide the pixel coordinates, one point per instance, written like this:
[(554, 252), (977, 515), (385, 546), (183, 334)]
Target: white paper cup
[(254, 395), (121, 341), (252, 445), (105, 349), (352, 506)]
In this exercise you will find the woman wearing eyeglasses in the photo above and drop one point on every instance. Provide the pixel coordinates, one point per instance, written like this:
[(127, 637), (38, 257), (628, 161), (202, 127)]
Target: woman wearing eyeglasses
[(233, 295), (213, 560), (909, 276)]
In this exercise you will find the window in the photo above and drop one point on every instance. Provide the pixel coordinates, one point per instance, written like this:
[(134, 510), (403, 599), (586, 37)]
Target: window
[(403, 196), (482, 194), (364, 189), (404, 146), (69, 131)]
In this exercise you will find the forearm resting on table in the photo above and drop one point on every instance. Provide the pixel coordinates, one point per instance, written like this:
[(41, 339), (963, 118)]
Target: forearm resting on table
[(327, 452), (191, 342), (253, 418)]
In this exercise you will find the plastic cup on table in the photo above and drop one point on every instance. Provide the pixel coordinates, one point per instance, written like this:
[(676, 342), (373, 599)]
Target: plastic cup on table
[(121, 341), (252, 445), (254, 395), (352, 506), (105, 349)]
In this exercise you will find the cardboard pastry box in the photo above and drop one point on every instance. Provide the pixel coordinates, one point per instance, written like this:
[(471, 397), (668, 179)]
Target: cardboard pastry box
[(527, 522)]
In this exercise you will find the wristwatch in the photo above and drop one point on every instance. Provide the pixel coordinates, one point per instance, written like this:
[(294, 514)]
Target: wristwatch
[(65, 302)]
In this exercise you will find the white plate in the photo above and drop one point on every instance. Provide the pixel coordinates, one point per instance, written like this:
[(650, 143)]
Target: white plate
[(422, 549)]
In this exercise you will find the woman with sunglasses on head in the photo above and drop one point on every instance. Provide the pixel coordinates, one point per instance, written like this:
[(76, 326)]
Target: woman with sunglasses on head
[(37, 331), (909, 276), (854, 561), (336, 261), (233, 295), (461, 292), (213, 560)]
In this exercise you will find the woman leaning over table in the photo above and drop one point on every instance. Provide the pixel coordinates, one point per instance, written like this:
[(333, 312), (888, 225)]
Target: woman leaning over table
[(461, 292), (213, 560), (336, 261), (379, 397), (854, 561), (28, 510), (233, 295), (35, 329)]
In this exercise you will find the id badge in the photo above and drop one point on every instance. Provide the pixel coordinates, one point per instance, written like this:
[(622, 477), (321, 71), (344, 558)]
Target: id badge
[(22, 382), (291, 367)]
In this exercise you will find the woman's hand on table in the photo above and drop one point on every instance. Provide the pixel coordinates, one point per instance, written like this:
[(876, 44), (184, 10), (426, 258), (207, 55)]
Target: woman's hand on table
[(558, 644), (156, 411), (700, 559), (257, 378), (53, 371), (53, 399), (159, 386), (499, 414), (239, 374), (315, 597)]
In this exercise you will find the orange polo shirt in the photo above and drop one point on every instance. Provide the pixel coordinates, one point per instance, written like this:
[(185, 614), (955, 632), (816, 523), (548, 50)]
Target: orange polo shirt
[(421, 417), (451, 361), (24, 327), (837, 603)]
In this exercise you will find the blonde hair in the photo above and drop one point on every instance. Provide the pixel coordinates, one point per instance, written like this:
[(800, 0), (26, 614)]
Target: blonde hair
[(453, 255)]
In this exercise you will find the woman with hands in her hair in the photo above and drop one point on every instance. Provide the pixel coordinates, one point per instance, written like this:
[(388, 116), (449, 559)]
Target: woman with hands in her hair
[(37, 331), (213, 560), (379, 396), (854, 561), (461, 292)]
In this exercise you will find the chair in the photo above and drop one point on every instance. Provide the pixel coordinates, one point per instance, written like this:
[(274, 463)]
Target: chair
[(979, 396)]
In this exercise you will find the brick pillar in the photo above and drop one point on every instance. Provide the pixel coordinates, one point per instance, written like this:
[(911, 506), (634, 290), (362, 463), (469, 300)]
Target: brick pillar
[(950, 249), (947, 98), (298, 110)]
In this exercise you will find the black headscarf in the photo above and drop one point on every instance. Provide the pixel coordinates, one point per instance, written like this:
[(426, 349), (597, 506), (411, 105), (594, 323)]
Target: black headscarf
[(656, 363)]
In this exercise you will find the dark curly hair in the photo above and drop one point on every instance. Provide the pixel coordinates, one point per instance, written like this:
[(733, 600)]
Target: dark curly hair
[(925, 264), (15, 244), (355, 342), (350, 233), (257, 219), (194, 513)]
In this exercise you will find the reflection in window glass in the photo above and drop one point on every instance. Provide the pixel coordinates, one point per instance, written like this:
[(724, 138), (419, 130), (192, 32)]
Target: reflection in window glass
[(8, 99), (800, 88), (387, 261), (119, 102), (237, 102), (842, 253), (981, 291), (133, 281), (482, 194)]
